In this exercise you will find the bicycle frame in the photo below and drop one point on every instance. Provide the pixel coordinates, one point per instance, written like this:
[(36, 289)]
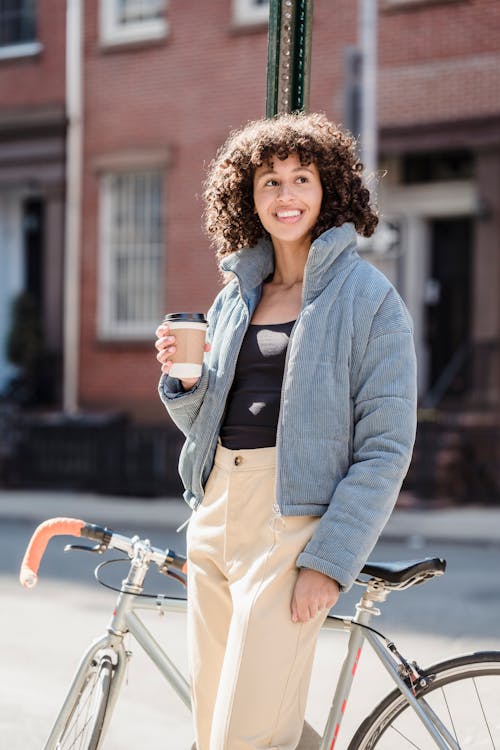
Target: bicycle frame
[(375, 592), (125, 620)]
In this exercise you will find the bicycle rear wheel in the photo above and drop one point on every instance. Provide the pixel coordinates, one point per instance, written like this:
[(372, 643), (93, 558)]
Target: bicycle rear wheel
[(83, 729), (464, 693)]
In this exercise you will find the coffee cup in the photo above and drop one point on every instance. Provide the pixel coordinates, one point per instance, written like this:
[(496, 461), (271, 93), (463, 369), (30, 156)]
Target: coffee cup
[(189, 330)]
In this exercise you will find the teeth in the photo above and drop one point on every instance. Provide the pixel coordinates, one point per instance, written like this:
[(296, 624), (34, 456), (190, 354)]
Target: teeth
[(285, 214)]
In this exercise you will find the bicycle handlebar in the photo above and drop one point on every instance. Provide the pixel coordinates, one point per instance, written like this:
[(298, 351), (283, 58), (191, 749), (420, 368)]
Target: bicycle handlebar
[(38, 544), (76, 527)]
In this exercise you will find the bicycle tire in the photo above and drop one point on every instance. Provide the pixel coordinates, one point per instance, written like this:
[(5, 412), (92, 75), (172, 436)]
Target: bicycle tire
[(83, 729), (465, 694)]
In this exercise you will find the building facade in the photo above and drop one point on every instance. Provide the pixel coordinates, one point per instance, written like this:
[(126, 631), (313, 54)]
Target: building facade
[(32, 179), (163, 83)]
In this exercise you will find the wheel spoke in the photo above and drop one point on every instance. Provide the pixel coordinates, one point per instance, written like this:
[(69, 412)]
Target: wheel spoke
[(463, 694), (410, 742), (493, 745), (83, 728), (450, 716), (83, 710)]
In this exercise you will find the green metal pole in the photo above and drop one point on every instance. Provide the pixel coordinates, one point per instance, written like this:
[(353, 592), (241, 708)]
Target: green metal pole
[(289, 56)]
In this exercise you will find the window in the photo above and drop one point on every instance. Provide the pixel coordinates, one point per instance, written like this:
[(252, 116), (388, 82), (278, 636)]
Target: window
[(18, 28), (411, 4), (437, 166), (125, 21), (131, 254), (250, 11)]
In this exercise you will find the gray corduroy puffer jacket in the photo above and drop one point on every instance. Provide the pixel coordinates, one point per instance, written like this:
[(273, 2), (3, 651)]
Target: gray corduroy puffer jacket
[(348, 406)]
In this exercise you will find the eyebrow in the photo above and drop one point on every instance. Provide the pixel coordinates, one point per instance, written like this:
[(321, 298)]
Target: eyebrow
[(295, 169)]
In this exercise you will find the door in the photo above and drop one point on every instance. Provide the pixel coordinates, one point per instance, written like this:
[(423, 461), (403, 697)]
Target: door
[(448, 297), (12, 271)]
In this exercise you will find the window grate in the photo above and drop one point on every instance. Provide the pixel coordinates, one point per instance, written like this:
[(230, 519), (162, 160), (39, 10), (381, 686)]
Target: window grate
[(138, 11), (17, 22), (133, 252)]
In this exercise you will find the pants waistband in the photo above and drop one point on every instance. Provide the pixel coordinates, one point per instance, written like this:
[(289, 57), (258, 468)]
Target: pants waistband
[(246, 459)]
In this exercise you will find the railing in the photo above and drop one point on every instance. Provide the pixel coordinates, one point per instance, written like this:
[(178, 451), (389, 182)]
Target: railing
[(457, 451), (93, 452), (478, 366)]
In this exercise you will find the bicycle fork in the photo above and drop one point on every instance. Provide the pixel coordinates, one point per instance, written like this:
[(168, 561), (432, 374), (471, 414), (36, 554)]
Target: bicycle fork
[(365, 611), (111, 644), (106, 644)]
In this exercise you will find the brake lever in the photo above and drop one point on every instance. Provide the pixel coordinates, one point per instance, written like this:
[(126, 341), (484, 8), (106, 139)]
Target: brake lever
[(98, 548)]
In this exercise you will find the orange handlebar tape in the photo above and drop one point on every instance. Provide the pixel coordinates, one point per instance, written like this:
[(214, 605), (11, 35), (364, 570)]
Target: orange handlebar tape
[(38, 543)]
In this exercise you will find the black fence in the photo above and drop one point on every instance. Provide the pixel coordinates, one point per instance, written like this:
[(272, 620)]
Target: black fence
[(455, 461), (109, 454), (103, 453)]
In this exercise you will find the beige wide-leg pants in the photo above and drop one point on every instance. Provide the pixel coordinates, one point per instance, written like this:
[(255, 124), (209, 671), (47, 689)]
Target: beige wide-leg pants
[(250, 664)]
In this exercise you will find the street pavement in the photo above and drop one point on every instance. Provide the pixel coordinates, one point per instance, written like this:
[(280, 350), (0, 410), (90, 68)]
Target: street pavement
[(457, 613), (412, 521)]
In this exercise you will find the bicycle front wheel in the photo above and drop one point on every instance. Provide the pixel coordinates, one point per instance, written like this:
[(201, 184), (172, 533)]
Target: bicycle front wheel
[(464, 692), (83, 729)]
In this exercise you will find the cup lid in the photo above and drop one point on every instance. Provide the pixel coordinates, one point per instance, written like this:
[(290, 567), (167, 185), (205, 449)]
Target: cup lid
[(185, 317)]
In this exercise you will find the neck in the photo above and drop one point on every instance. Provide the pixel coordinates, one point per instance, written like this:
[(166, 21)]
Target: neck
[(290, 261)]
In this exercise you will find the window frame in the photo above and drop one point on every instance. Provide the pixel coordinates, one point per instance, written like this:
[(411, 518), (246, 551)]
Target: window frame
[(109, 328), (25, 47), (111, 33), (245, 13)]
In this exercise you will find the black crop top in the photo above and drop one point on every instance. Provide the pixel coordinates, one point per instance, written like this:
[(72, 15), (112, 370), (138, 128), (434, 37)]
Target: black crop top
[(253, 403)]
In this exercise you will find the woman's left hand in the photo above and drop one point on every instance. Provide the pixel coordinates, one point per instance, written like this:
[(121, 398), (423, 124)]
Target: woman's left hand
[(313, 592)]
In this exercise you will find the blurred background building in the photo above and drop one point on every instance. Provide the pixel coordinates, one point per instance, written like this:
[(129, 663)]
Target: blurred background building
[(108, 117)]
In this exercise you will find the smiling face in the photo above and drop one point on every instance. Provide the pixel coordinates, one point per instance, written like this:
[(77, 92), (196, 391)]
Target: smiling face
[(287, 197)]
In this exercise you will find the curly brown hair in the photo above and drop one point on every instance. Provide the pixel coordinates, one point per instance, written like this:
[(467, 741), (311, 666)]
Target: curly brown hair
[(230, 218)]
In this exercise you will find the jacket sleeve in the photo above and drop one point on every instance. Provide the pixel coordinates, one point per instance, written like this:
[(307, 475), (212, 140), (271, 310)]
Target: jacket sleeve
[(184, 406), (384, 404)]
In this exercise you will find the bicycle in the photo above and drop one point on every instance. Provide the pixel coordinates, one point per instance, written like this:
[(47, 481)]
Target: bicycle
[(451, 705)]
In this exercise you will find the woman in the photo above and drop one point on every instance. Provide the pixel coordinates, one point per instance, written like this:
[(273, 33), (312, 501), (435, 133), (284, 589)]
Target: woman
[(299, 431)]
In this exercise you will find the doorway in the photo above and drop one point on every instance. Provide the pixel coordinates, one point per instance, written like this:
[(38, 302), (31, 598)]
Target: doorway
[(32, 219), (448, 298), (33, 223)]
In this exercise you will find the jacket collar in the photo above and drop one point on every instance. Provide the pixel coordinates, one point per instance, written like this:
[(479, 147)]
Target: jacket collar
[(328, 253)]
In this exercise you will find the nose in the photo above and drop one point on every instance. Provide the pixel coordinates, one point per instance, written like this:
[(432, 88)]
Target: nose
[(284, 192)]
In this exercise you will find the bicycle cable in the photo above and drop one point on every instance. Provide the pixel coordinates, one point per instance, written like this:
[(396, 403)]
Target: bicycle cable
[(411, 670), (360, 625), (176, 577), (146, 595)]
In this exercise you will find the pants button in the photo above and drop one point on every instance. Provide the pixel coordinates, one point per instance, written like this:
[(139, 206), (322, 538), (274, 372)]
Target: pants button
[(238, 460)]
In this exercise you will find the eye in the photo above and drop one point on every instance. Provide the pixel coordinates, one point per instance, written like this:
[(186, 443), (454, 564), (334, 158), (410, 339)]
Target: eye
[(271, 182), (302, 179)]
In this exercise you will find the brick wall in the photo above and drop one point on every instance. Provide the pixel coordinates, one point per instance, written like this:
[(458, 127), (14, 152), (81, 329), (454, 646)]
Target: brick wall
[(440, 62), (38, 80), (183, 94)]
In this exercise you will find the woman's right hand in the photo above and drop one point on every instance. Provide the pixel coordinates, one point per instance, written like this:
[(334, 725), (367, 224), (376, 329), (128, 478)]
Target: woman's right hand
[(165, 343)]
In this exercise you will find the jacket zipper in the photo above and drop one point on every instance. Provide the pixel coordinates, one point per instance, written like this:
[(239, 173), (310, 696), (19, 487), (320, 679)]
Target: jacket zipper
[(276, 506), (237, 347)]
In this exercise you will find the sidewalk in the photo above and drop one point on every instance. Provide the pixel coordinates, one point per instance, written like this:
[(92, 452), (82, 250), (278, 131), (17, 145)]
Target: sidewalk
[(414, 524)]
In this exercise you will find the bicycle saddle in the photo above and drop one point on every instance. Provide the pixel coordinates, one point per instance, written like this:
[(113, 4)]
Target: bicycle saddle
[(400, 572)]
